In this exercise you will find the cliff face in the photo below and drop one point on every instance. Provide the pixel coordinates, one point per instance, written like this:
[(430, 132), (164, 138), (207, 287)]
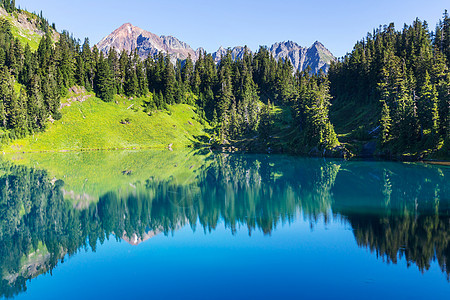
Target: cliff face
[(129, 37)]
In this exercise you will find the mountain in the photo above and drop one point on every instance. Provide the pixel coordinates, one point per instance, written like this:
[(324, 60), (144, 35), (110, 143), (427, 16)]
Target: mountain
[(317, 57), (128, 37)]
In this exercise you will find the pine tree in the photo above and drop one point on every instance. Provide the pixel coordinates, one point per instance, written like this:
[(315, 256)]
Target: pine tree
[(35, 106), (89, 66), (131, 85), (51, 95), (428, 106), (18, 117), (265, 125), (113, 61), (5, 91), (225, 94), (385, 124), (104, 80), (187, 71), (169, 82)]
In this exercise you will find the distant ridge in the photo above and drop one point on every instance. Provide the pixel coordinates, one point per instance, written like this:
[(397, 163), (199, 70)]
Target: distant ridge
[(128, 37)]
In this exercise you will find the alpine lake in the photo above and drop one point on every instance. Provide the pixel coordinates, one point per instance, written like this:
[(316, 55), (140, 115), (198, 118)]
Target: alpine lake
[(202, 225)]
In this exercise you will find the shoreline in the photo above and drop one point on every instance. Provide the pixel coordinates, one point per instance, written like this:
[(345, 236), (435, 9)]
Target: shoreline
[(441, 162)]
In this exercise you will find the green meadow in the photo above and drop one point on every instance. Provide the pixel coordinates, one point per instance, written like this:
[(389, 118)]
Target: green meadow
[(88, 123)]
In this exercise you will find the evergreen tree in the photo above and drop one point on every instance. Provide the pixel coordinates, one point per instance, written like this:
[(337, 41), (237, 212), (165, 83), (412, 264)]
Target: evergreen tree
[(131, 85), (51, 94), (428, 106), (187, 71), (36, 109), (169, 82), (104, 80), (385, 124)]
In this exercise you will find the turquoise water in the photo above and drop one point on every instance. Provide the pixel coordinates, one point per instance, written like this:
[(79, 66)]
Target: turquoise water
[(222, 227)]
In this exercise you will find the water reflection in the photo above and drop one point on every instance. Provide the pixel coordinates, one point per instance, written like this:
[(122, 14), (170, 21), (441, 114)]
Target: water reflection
[(395, 210)]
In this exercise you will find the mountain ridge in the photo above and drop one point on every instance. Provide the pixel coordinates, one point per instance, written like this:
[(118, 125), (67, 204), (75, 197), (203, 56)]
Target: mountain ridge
[(128, 37)]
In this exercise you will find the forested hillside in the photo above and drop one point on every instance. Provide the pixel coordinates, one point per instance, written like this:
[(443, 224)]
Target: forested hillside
[(232, 96), (393, 88), (395, 85)]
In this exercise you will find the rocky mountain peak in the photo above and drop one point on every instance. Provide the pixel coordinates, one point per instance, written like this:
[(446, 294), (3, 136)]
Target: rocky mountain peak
[(128, 37), (126, 26), (318, 44), (317, 57)]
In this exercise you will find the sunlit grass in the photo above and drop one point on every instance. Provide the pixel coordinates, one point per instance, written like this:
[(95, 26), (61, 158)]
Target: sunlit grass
[(95, 124)]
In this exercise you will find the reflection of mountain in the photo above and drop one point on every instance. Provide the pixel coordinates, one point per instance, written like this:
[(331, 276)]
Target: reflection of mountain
[(135, 240), (395, 210)]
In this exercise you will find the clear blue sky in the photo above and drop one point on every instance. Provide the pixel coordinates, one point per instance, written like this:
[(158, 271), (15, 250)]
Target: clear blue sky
[(210, 24)]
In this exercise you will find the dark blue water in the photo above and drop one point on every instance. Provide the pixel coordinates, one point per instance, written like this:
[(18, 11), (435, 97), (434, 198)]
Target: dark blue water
[(248, 226)]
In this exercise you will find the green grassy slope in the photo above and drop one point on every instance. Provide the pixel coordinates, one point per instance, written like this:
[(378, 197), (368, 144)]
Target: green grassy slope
[(121, 124)]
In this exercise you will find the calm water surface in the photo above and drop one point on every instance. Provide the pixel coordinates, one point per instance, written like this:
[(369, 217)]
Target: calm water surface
[(192, 225)]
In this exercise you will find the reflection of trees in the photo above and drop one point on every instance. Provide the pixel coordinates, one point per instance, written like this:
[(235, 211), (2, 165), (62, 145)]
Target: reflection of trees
[(32, 212), (394, 213), (420, 240), (398, 211)]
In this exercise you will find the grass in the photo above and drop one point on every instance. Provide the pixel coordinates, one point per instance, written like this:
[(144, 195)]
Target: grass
[(121, 124)]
